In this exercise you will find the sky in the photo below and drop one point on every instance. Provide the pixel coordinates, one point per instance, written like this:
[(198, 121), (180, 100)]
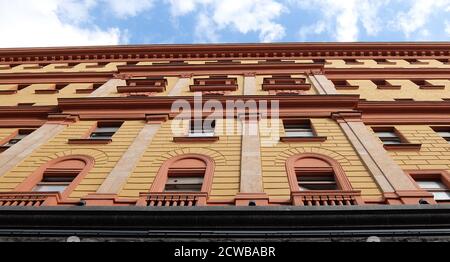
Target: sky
[(45, 23)]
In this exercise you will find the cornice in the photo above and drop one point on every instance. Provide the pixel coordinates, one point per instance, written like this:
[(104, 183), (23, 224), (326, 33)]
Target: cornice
[(405, 112), (45, 78), (139, 107), (225, 51), (383, 73), (220, 69)]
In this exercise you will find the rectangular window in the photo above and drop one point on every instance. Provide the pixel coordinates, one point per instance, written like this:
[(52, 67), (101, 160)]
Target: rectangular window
[(388, 136), (444, 132), (54, 183), (436, 187), (300, 128), (105, 130), (22, 133), (202, 128), (315, 181)]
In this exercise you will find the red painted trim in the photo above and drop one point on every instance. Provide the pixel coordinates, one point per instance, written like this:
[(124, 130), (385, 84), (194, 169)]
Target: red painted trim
[(386, 73), (46, 91), (303, 139), (341, 179), (56, 78), (387, 50), (186, 139), (89, 141), (37, 175), (401, 147), (159, 183)]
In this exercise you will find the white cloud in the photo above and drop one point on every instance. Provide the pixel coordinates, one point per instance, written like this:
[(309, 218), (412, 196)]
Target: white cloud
[(27, 23), (342, 19), (418, 16), (244, 16), (127, 8)]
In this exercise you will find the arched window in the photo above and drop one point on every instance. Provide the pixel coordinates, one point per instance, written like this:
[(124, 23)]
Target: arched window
[(61, 175), (187, 173), (314, 172)]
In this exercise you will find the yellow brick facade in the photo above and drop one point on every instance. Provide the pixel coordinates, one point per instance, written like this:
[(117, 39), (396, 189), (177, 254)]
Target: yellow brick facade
[(336, 146), (227, 151)]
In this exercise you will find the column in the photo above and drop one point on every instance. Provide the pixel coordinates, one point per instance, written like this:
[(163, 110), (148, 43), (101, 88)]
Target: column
[(392, 180), (250, 84), (22, 150), (251, 183), (181, 84), (108, 88), (323, 85), (108, 191)]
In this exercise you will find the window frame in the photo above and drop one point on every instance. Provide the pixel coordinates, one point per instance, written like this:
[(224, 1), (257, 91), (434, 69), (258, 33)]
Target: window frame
[(342, 181), (438, 175), (301, 121), (404, 143), (37, 176), (440, 129), (162, 176), (20, 132)]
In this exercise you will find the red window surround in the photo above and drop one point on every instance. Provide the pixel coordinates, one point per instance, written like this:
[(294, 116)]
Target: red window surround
[(441, 176), (186, 163), (385, 85), (311, 163), (88, 140), (218, 85), (147, 85), (75, 164), (344, 85), (284, 84), (392, 139)]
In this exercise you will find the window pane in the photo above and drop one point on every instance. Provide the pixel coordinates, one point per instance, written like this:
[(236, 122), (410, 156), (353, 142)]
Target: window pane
[(101, 135), (106, 130), (431, 184), (391, 142), (293, 133), (184, 184), (386, 134), (50, 188), (441, 196), (444, 133)]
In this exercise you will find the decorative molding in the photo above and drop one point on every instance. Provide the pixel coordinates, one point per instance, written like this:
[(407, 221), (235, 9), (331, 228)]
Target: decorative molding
[(303, 139), (187, 139), (105, 54), (54, 78), (89, 141)]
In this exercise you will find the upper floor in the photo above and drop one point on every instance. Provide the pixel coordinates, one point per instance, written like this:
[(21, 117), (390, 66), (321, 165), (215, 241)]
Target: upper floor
[(375, 72)]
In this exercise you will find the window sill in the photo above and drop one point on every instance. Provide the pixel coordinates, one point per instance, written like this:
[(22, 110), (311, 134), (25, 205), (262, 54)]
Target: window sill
[(186, 139), (8, 92), (347, 87), (386, 63), (134, 89), (46, 92), (276, 87), (304, 139), (89, 141), (206, 88), (412, 147), (84, 91), (432, 87), (393, 87)]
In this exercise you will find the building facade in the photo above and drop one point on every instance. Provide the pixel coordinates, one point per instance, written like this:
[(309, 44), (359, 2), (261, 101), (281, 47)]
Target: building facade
[(285, 138)]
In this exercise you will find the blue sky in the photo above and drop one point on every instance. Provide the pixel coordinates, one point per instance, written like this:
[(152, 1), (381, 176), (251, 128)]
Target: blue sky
[(111, 22)]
